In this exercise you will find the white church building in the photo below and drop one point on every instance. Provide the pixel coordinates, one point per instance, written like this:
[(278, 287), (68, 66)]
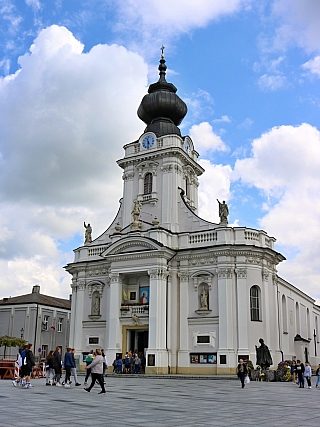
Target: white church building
[(192, 295)]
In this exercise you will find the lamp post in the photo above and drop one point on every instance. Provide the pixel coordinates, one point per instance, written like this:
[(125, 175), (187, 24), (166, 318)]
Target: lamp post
[(21, 331)]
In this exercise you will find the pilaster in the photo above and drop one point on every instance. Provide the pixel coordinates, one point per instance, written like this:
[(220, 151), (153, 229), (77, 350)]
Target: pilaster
[(114, 327), (183, 354), (158, 321)]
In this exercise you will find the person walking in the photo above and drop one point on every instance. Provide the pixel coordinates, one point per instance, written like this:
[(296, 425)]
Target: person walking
[(96, 367), (318, 375), (242, 371), (89, 360), (74, 370), (57, 367), (68, 365), (308, 374), (29, 364), (49, 368), (137, 363), (300, 372)]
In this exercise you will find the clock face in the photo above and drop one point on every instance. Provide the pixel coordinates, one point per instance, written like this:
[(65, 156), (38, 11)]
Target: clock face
[(148, 141), (187, 146)]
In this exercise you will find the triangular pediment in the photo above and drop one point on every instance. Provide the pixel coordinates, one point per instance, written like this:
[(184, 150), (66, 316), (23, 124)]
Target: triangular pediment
[(131, 245)]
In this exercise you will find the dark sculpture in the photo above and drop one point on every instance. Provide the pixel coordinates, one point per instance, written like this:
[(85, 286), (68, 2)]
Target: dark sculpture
[(264, 358)]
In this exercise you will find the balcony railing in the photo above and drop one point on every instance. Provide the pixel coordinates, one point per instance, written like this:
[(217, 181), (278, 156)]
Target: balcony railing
[(137, 310)]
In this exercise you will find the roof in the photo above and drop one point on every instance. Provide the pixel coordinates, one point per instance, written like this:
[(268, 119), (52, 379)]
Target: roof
[(37, 298)]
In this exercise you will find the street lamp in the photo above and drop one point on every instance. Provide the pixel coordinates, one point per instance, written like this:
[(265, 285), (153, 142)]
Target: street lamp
[(21, 331)]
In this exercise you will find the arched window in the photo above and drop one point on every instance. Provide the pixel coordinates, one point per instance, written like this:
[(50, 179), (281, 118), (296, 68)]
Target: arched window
[(255, 303), (308, 324), (147, 183), (284, 314)]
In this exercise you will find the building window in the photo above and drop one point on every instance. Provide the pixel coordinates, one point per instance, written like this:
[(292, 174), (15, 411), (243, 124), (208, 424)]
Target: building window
[(60, 321), (44, 351), (45, 323), (254, 303), (147, 183), (187, 187)]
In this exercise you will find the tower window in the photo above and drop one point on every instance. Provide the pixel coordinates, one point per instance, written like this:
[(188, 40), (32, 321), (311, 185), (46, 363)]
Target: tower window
[(254, 303), (148, 183)]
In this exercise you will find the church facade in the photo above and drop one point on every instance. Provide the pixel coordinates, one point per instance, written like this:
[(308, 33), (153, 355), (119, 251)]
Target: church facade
[(191, 295)]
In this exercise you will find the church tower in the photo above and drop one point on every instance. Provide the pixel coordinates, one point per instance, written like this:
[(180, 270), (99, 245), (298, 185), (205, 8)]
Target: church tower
[(161, 161)]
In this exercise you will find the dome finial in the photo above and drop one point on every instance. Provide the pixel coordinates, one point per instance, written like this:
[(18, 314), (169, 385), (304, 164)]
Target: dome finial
[(162, 67), (162, 48)]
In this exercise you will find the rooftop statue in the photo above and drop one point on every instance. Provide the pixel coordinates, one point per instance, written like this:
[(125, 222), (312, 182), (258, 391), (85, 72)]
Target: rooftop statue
[(223, 212), (88, 233)]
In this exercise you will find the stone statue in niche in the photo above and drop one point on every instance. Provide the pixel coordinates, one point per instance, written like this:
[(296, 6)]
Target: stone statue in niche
[(88, 233), (204, 299), (223, 212), (96, 304), (136, 225)]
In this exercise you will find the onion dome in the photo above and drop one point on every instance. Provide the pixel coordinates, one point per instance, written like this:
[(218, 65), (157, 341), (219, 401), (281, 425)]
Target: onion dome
[(161, 109)]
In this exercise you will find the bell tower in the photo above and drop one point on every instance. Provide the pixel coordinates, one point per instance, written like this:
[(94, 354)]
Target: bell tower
[(161, 162)]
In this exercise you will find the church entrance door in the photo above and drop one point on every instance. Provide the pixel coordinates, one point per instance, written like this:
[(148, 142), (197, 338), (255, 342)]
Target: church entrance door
[(135, 338)]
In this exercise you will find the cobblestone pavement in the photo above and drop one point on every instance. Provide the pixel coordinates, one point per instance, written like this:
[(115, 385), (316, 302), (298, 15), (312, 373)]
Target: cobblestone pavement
[(159, 402)]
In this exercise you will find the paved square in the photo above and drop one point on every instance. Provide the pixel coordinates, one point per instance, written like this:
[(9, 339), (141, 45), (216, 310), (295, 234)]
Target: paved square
[(159, 402)]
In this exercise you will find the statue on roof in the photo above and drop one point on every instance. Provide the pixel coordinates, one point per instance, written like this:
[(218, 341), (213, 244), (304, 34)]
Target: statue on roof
[(223, 212), (88, 233)]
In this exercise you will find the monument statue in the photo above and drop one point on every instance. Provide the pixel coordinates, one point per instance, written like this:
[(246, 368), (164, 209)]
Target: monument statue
[(204, 299), (88, 233), (264, 358), (223, 212)]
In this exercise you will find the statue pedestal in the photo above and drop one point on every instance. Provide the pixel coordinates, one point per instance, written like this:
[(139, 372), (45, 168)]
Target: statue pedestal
[(203, 311)]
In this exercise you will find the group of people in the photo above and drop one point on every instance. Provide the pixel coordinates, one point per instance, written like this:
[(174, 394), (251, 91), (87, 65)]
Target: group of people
[(301, 372), (132, 363), (54, 368)]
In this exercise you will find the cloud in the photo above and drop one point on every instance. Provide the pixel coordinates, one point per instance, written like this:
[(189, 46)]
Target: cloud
[(272, 83), (298, 24), (64, 117), (313, 66), (214, 184), (223, 119), (285, 166), (205, 139), (152, 21)]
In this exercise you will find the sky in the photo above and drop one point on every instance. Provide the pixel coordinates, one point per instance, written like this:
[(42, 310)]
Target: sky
[(72, 75)]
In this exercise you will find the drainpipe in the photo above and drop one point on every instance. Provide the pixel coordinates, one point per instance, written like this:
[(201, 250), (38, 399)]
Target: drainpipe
[(279, 329)]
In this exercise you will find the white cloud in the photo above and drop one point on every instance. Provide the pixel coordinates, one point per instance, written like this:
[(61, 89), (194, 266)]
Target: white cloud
[(152, 21), (223, 119), (205, 139), (285, 165), (299, 23), (34, 4), (313, 66), (272, 82), (64, 117), (214, 184)]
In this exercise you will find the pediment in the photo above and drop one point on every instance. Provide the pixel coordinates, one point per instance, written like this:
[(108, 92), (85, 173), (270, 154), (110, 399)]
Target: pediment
[(131, 245)]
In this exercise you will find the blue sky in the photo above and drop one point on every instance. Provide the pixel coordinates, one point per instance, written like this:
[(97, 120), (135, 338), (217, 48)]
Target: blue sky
[(72, 75)]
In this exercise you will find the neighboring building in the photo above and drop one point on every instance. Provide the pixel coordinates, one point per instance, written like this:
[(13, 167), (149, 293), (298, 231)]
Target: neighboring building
[(41, 320), (193, 295)]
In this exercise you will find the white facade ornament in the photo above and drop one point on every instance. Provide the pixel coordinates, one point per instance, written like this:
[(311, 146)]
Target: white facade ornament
[(158, 273), (241, 273), (225, 273), (198, 279), (93, 287), (265, 275), (184, 276)]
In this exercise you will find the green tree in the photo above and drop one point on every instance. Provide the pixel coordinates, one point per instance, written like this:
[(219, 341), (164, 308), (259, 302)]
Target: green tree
[(6, 341)]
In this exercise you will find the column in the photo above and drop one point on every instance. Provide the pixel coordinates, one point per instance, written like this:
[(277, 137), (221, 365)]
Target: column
[(74, 288), (172, 338), (157, 347), (114, 327), (78, 316), (183, 354), (226, 320), (243, 311)]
